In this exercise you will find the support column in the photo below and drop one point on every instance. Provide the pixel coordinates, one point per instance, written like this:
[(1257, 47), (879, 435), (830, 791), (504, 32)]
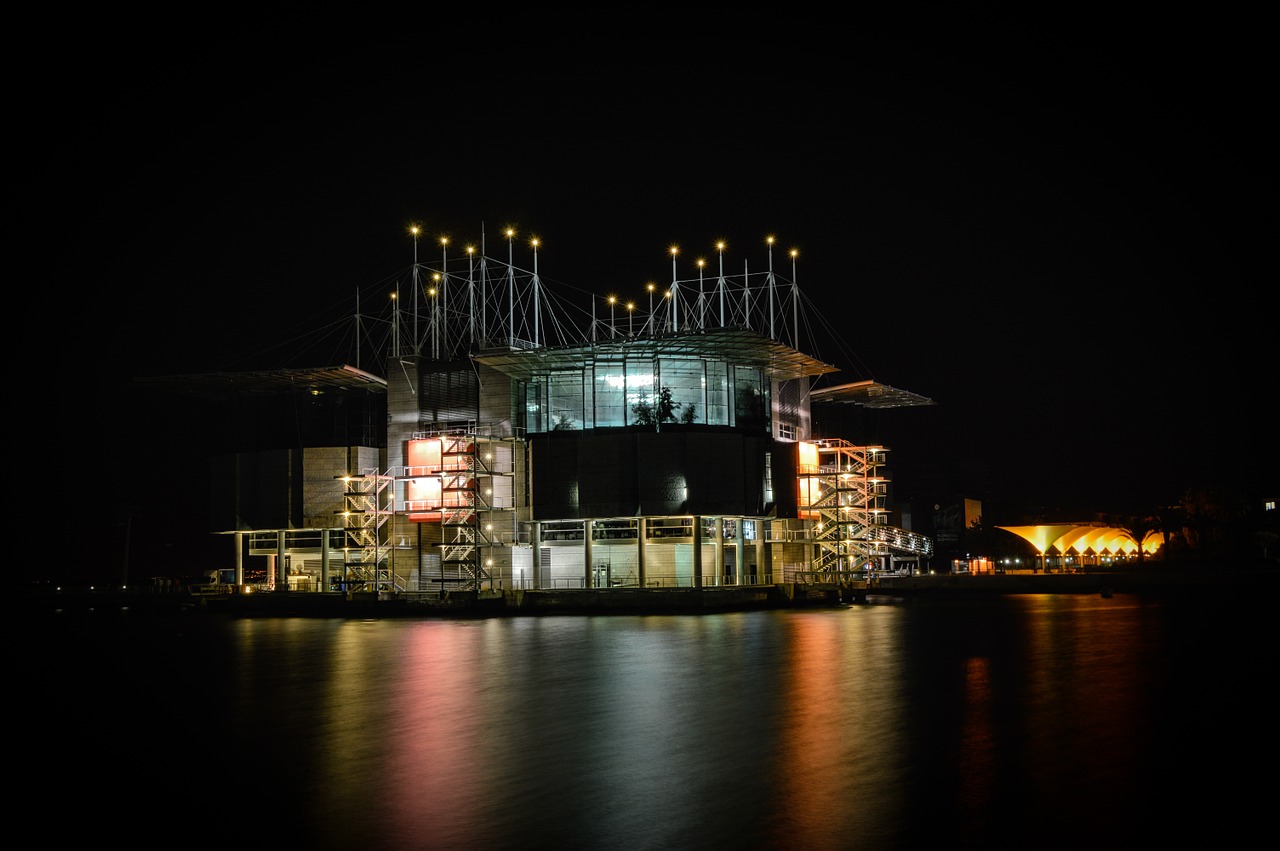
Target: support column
[(282, 573), (239, 536), (641, 531), (537, 554), (588, 527), (761, 563), (697, 551), (324, 559), (719, 533), (740, 556)]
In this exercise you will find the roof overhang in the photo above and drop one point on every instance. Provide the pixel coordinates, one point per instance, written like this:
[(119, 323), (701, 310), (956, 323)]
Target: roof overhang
[(869, 394), (316, 381), (739, 346)]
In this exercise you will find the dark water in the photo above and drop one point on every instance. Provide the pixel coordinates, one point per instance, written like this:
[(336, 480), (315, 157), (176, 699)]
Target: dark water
[(1039, 721)]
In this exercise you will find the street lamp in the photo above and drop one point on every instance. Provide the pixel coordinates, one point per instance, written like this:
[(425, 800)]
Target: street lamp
[(651, 288), (471, 296), (395, 322), (769, 241), (537, 296), (631, 306), (675, 311), (612, 301), (444, 292), (435, 321), (511, 288), (795, 301), (415, 230), (720, 285)]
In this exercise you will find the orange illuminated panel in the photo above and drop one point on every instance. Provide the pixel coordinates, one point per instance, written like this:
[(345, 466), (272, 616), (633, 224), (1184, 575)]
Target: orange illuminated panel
[(982, 565), (809, 493), (423, 516), (422, 498), (423, 456), (426, 490), (808, 457), (810, 490)]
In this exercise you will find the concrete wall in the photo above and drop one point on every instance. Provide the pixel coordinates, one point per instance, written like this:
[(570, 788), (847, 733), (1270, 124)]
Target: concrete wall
[(633, 471), (323, 489)]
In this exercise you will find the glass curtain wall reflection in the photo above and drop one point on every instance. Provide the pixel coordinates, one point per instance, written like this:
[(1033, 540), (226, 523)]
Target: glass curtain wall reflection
[(637, 391)]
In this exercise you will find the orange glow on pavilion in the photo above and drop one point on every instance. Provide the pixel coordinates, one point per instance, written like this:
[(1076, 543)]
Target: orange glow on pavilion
[(1084, 542), (423, 491)]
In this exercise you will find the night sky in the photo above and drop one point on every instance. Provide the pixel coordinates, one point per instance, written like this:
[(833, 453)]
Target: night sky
[(1051, 227)]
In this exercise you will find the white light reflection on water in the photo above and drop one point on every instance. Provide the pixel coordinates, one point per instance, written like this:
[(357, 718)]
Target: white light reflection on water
[(737, 730)]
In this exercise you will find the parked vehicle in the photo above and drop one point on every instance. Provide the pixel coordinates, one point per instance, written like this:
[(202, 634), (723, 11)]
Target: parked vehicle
[(214, 583)]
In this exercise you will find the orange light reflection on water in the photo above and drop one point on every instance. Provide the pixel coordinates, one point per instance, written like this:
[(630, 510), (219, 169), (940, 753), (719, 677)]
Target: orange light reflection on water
[(841, 755)]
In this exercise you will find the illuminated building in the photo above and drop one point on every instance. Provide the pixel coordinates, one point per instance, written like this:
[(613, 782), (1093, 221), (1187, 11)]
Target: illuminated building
[(660, 450), (1076, 545)]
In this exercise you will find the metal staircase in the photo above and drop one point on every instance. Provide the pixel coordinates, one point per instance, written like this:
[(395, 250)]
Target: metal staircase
[(459, 515), (370, 505), (845, 493)]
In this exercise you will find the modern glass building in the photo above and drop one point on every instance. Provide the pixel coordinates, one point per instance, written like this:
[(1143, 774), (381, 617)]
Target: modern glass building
[(524, 451)]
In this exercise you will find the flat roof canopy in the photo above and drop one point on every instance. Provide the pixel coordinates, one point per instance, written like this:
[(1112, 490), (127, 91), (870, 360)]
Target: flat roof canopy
[(739, 346), (221, 385), (869, 394)]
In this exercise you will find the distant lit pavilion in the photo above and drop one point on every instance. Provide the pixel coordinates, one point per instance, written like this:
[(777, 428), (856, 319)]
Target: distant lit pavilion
[(1087, 544)]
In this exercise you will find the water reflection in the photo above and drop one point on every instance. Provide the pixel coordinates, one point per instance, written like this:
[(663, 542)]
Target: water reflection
[(1037, 721), (839, 761)]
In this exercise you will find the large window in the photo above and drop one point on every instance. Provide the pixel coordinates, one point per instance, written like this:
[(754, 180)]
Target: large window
[(750, 399), (717, 393), (684, 379), (535, 405), (564, 400), (640, 389), (610, 394)]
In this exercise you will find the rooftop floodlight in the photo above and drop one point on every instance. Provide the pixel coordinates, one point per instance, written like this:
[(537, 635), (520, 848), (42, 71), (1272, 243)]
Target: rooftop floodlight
[(650, 286)]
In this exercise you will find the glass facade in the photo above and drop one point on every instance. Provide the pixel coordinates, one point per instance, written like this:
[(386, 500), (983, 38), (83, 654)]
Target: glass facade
[(717, 407), (750, 399), (648, 391), (640, 391), (610, 402), (686, 380), (565, 402), (535, 405)]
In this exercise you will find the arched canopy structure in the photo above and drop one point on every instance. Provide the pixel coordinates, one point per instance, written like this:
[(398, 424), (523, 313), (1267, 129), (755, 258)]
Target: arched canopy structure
[(1079, 539)]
